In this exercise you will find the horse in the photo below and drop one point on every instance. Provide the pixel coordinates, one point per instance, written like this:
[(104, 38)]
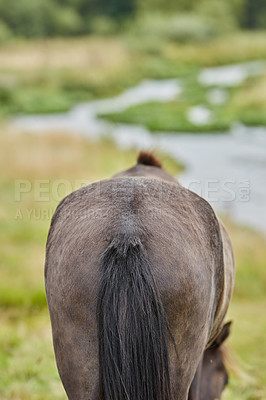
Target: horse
[(211, 376), (139, 273)]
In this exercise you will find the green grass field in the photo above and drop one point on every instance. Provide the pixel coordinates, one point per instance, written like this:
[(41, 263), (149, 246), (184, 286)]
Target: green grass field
[(27, 365)]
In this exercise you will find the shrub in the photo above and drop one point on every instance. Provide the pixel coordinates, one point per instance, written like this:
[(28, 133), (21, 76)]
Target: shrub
[(39, 18), (5, 32), (219, 13), (103, 26), (67, 22), (178, 28), (191, 28), (27, 17), (5, 94)]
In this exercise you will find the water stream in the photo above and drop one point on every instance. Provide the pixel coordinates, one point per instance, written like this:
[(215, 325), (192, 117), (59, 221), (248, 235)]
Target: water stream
[(228, 170)]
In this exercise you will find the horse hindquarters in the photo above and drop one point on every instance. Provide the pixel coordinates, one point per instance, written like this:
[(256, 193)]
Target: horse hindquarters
[(168, 253)]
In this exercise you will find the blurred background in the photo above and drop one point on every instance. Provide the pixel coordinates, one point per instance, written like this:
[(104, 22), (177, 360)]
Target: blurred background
[(85, 84)]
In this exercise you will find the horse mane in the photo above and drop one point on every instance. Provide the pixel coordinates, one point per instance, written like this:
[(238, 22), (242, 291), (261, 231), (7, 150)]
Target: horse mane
[(148, 158), (234, 363)]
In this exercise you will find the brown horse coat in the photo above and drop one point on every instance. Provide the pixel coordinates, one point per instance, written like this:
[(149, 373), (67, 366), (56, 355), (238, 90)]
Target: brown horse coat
[(191, 263)]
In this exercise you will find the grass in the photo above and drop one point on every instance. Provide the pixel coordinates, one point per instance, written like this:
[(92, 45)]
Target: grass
[(166, 117), (27, 365), (247, 342), (44, 76), (245, 104), (26, 358)]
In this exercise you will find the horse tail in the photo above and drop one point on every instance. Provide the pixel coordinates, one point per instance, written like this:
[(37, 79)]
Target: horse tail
[(133, 328)]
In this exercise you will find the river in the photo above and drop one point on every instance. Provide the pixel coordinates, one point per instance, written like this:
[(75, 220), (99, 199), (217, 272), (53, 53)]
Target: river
[(227, 169)]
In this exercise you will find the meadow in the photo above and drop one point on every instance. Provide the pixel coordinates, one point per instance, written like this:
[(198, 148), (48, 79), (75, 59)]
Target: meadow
[(27, 365), (45, 76)]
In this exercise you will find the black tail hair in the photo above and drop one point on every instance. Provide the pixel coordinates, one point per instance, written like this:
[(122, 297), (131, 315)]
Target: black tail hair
[(133, 352)]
